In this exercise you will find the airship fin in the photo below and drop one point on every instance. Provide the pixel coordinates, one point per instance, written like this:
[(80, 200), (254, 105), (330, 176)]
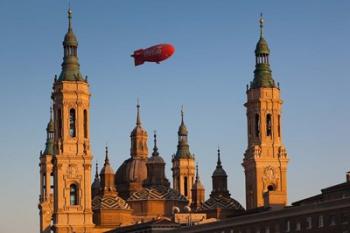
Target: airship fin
[(138, 57), (138, 61)]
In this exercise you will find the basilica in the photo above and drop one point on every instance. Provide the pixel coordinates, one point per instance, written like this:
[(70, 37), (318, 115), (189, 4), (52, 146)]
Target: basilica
[(138, 194)]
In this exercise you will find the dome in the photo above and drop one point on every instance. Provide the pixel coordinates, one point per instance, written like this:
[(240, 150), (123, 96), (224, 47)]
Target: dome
[(70, 38), (132, 170), (219, 171), (155, 159), (138, 131), (107, 169), (183, 129), (262, 47), (50, 129), (50, 126), (49, 148)]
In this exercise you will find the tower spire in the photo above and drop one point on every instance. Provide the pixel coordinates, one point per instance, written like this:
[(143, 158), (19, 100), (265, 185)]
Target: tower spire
[(70, 19), (218, 164), (138, 119), (183, 147), (96, 173), (262, 72), (106, 158), (50, 131), (51, 118), (70, 65), (182, 114), (197, 173), (138, 137), (155, 148)]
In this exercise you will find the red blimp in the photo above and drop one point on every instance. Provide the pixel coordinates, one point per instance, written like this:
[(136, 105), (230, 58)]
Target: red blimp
[(156, 53)]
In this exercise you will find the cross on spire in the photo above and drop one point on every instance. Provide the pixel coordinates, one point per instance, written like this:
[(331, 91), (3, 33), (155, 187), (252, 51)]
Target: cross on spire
[(261, 22), (219, 160), (106, 159), (138, 120), (70, 19), (197, 172), (155, 148)]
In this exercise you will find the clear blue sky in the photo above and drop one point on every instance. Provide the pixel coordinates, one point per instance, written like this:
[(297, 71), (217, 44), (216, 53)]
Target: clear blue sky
[(213, 62)]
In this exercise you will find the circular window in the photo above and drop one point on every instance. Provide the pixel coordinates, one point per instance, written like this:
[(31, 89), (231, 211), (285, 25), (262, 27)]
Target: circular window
[(270, 188)]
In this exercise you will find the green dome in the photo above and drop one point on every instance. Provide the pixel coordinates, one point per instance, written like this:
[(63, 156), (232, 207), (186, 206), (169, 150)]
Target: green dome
[(71, 75), (262, 47), (183, 129), (262, 76), (50, 126), (70, 38)]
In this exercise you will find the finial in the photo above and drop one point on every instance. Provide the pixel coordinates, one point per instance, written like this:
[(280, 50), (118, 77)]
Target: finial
[(96, 174), (261, 21), (106, 159), (51, 113), (155, 148), (219, 160), (197, 173), (155, 137), (182, 114), (138, 121), (70, 19)]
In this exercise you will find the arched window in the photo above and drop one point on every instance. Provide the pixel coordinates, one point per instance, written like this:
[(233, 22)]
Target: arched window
[(268, 125), (73, 194), (85, 124), (185, 186), (72, 130), (279, 125), (59, 126), (257, 125), (44, 184), (51, 226), (52, 185)]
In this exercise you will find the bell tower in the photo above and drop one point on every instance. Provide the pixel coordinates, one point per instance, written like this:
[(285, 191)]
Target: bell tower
[(183, 163), (46, 180), (265, 160), (72, 162)]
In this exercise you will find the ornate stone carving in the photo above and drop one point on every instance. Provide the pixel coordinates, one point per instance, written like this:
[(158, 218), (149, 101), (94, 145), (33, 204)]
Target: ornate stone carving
[(72, 171), (270, 177), (282, 152), (257, 151)]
